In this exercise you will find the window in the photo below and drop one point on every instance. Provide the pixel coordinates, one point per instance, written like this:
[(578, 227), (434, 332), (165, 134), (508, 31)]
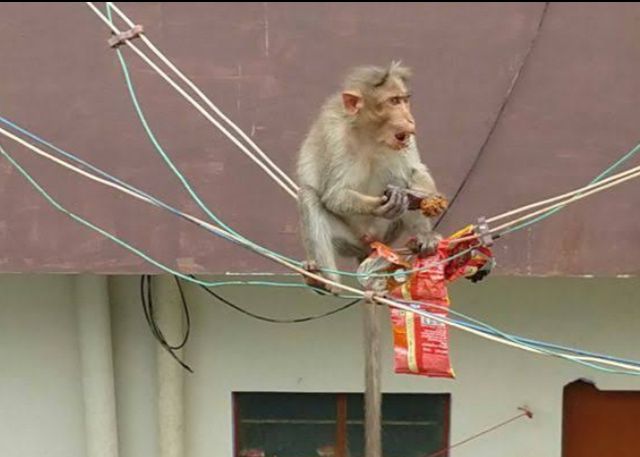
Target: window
[(331, 425)]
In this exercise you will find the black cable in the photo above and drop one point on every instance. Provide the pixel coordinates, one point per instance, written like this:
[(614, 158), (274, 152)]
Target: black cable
[(273, 320), (147, 307), (185, 308), (480, 152)]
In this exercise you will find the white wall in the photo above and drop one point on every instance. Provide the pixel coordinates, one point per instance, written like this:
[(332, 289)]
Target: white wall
[(40, 385), (40, 389)]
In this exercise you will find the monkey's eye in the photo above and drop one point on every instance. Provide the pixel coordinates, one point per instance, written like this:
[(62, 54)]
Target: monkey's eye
[(395, 100)]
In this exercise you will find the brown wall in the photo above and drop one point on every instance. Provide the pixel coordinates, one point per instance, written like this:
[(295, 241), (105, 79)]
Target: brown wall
[(572, 111)]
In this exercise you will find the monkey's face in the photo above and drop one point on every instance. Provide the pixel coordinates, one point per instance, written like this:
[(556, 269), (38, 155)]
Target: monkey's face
[(384, 112), (394, 111)]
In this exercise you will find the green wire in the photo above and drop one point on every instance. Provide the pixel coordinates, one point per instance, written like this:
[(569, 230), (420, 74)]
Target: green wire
[(141, 254), (179, 175), (193, 193), (595, 180), (131, 248), (254, 245), (171, 165)]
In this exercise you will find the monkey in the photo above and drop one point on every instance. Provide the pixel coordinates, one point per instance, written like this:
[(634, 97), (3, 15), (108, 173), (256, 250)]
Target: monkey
[(357, 168), (354, 168)]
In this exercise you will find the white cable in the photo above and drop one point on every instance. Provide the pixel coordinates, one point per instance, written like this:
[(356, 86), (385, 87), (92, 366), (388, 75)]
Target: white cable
[(562, 196), (204, 98), (502, 340), (343, 287), (73, 168), (597, 187), (566, 202), (113, 185), (195, 104)]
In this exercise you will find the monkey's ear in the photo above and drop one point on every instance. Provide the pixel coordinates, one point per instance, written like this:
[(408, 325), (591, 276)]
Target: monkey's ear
[(352, 101)]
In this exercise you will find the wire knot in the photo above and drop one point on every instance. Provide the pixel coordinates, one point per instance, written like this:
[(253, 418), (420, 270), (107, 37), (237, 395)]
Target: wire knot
[(371, 295), (118, 39)]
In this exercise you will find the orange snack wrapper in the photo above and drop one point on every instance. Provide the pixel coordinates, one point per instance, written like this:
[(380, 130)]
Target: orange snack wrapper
[(421, 344)]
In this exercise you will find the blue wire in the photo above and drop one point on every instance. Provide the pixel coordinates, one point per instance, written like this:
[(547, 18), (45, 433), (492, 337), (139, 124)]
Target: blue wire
[(598, 178), (157, 202), (103, 173), (546, 348), (185, 183), (481, 325)]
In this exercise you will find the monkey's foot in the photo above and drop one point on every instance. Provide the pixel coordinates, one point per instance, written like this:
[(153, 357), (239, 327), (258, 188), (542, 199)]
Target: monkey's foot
[(318, 286), (425, 245)]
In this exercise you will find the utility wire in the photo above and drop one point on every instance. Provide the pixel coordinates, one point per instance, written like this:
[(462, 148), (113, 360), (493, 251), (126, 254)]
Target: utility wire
[(525, 413), (286, 187), (396, 304), (138, 193), (273, 320), (146, 298), (267, 160), (231, 238), (159, 54), (185, 182), (496, 121)]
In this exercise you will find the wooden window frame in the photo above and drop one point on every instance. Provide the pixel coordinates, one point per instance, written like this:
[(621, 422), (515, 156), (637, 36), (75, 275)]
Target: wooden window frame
[(341, 438)]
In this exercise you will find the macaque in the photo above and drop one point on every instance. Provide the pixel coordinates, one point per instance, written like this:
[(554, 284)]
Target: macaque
[(355, 168)]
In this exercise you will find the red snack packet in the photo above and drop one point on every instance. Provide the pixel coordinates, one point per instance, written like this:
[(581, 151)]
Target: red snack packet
[(420, 343), (473, 265)]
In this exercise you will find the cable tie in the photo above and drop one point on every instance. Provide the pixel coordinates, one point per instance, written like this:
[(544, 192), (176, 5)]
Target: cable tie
[(482, 229), (118, 39)]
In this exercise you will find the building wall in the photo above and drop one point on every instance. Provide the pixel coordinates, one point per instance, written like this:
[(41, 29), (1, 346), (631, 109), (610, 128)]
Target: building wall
[(41, 407), (40, 385), (269, 66)]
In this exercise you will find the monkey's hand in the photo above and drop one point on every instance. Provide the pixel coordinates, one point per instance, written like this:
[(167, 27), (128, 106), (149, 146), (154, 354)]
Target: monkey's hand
[(425, 244), (395, 203)]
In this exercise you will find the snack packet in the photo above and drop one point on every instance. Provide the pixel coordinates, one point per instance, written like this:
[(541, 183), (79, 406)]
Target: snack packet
[(421, 344)]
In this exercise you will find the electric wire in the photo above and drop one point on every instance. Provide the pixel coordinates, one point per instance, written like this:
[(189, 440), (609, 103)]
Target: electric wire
[(219, 232), (169, 162), (496, 120), (273, 320), (107, 20), (381, 300), (182, 178), (121, 242), (204, 98), (631, 367), (116, 183), (547, 211), (445, 450), (195, 104), (146, 298), (600, 178)]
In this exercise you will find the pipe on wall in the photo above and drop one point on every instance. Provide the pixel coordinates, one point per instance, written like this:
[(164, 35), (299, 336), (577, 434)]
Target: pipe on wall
[(168, 314), (94, 334)]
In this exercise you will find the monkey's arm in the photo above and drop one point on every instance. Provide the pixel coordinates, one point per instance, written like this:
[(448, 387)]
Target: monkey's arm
[(348, 202), (420, 178), (422, 181)]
